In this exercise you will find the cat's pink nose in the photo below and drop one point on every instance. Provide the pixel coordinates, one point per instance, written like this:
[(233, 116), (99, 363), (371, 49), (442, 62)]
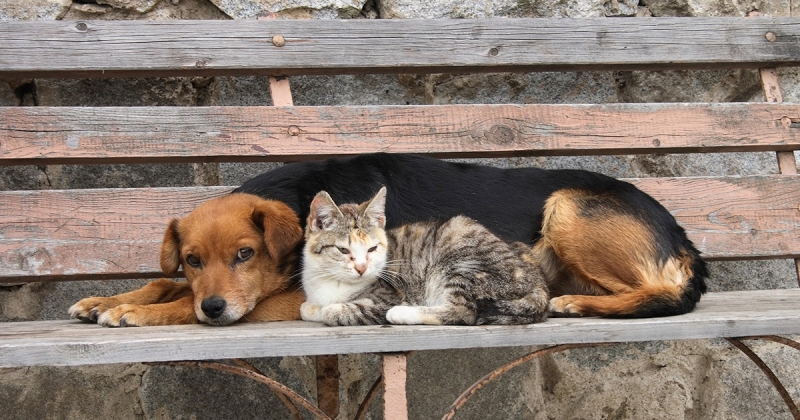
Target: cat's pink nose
[(361, 268)]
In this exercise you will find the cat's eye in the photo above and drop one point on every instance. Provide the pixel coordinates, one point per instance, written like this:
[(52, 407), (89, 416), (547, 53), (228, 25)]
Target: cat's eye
[(244, 254), (193, 261), (373, 249), (343, 250)]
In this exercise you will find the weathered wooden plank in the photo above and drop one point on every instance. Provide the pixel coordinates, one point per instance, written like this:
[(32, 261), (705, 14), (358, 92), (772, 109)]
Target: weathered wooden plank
[(205, 48), (734, 217), (721, 314), (101, 233), (116, 233), (54, 135)]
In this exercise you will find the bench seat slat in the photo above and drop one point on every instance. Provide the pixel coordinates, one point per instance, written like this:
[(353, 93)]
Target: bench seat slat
[(206, 48), (116, 233), (720, 314), (64, 135)]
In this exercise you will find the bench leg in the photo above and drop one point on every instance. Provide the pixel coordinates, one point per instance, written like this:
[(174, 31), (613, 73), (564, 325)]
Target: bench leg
[(395, 405), (328, 384)]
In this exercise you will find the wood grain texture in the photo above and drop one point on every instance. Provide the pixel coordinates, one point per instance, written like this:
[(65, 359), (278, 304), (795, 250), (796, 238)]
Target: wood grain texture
[(720, 314), (117, 233), (205, 48), (56, 135), (98, 233), (734, 217)]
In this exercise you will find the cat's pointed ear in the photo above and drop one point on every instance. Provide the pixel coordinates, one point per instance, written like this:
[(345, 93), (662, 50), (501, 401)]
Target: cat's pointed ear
[(323, 212), (376, 209)]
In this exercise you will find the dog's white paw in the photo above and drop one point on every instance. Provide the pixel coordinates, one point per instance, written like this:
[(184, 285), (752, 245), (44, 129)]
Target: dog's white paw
[(89, 309), (311, 312), (562, 307), (408, 315), (120, 316)]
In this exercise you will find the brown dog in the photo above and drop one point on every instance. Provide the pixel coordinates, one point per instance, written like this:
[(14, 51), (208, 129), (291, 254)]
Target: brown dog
[(238, 255)]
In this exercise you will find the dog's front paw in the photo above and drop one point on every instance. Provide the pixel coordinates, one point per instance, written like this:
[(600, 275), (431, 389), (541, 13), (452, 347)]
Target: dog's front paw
[(564, 307), (125, 315), (311, 312), (89, 309)]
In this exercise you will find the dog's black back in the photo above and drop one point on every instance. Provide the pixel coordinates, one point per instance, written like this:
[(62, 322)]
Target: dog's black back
[(507, 201)]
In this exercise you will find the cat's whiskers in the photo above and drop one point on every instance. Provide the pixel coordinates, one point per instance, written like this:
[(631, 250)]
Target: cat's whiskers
[(392, 278)]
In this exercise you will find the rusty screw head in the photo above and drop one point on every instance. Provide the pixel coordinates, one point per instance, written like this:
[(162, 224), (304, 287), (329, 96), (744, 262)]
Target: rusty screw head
[(770, 36), (294, 130), (786, 122), (278, 41)]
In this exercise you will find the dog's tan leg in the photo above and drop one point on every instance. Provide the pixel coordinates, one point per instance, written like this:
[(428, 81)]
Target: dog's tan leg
[(608, 260), (284, 306), (177, 312), (158, 291), (616, 305)]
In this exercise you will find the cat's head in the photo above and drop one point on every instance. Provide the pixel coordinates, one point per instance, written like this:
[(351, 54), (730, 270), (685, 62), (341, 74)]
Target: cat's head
[(347, 242)]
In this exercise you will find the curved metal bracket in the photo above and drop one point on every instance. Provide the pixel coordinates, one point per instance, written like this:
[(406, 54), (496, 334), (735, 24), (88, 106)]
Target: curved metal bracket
[(462, 399), (776, 383), (248, 371)]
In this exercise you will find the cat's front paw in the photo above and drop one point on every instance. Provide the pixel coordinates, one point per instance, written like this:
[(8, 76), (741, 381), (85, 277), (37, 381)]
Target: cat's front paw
[(311, 312), (336, 314), (408, 315)]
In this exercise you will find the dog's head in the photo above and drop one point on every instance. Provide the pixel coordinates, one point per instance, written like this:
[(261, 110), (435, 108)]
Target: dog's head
[(235, 250)]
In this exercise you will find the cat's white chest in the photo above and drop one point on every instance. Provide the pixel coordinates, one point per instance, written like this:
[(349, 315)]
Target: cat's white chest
[(322, 288), (326, 292)]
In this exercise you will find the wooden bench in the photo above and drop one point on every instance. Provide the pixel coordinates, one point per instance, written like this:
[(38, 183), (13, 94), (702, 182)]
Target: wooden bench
[(63, 235)]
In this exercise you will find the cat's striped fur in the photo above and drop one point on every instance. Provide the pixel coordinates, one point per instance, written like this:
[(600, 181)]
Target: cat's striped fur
[(449, 272)]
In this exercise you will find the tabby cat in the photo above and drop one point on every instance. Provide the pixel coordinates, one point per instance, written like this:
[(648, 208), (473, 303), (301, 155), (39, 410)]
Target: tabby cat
[(451, 272)]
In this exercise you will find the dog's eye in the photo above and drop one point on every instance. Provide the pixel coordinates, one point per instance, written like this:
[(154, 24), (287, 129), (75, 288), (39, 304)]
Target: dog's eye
[(344, 250), (193, 261), (244, 254), (373, 249)]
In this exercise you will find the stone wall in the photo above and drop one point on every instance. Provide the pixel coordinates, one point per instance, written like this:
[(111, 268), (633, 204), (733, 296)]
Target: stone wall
[(691, 379)]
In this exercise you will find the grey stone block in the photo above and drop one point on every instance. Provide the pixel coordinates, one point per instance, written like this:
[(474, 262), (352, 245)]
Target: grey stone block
[(72, 393)]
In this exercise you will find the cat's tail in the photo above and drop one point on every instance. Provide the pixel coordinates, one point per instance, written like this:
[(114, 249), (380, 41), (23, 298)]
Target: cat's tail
[(526, 310)]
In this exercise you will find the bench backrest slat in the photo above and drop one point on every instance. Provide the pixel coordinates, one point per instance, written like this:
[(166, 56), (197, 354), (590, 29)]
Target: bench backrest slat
[(213, 48), (62, 135)]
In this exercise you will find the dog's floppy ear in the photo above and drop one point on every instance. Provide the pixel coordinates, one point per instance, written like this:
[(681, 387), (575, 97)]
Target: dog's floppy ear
[(282, 232), (170, 249)]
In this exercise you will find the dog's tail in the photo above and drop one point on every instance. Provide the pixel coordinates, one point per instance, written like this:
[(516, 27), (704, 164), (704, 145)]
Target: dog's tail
[(679, 299)]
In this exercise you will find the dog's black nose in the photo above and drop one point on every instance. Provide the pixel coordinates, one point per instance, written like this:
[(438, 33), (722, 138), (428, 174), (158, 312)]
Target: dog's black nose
[(213, 306)]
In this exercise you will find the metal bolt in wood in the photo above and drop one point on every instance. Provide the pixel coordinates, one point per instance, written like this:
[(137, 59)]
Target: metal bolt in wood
[(278, 41)]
